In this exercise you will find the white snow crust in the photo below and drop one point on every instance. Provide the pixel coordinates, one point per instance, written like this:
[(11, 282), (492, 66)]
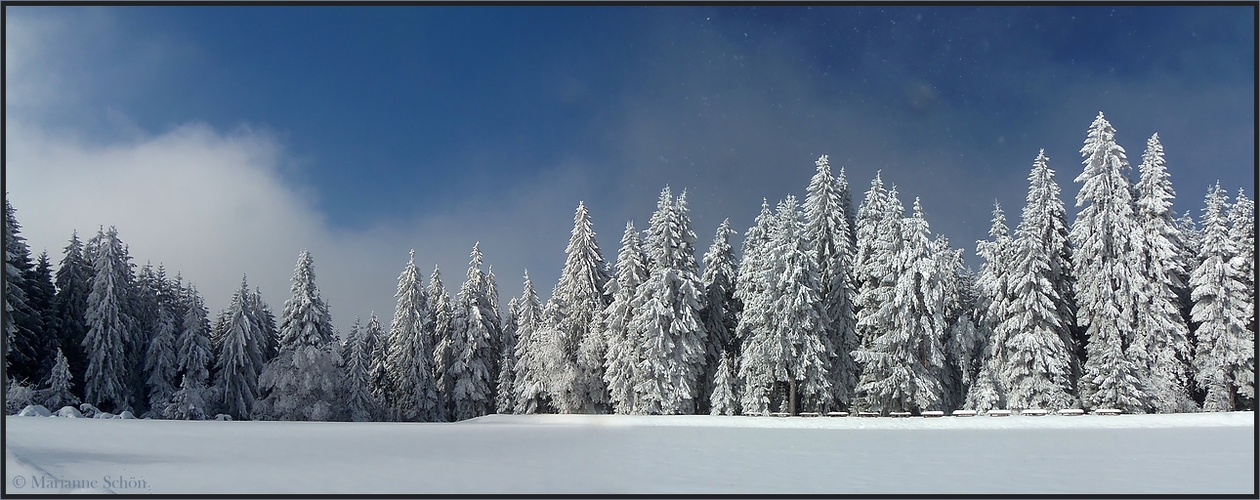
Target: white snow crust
[(1208, 453)]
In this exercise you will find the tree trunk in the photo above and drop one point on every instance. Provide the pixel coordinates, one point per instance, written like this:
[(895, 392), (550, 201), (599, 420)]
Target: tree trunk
[(792, 396)]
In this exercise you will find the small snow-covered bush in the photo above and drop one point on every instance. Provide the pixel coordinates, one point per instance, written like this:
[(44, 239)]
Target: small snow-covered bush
[(18, 395)]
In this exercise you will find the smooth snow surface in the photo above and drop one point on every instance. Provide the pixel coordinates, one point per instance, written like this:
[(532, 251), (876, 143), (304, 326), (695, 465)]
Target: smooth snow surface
[(590, 454)]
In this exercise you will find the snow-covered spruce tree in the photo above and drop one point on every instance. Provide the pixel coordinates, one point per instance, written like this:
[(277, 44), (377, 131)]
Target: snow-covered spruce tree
[(964, 344), (74, 275), (958, 308), (1224, 348), (443, 309), (577, 301), (1191, 238), (378, 368), (846, 206), (40, 296), (797, 319), (1035, 364), (667, 309), (471, 352), (903, 364), (530, 385), (1108, 270), (25, 340), (724, 400), (828, 235), (1242, 231), (105, 343), (992, 301), (57, 389), (359, 402), (1167, 337), (721, 310), (623, 356), (504, 393), (878, 229), (754, 289), (304, 381), (409, 356), (266, 335), (162, 363), (1049, 224), (237, 368), (192, 400)]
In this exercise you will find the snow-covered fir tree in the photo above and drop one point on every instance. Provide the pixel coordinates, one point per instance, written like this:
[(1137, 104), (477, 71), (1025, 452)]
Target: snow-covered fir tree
[(903, 365), (74, 274), (964, 344), (721, 312), (667, 314), (504, 393), (1167, 338), (878, 242), (360, 403), (846, 206), (1034, 363), (409, 355), (378, 368), (192, 400), (304, 381), (623, 356), (799, 330), (577, 302), (41, 296), (1224, 361), (1108, 270), (530, 385), (754, 289), (828, 235), (237, 368), (162, 362), (105, 342), (443, 310), (724, 399), (57, 389), (266, 334), (1242, 231), (472, 357), (27, 345)]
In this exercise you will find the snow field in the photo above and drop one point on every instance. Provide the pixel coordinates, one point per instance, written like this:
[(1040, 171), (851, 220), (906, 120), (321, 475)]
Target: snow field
[(594, 454)]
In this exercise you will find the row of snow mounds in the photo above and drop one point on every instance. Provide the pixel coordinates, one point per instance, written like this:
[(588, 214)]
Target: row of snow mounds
[(1049, 421), (90, 411), (72, 412)]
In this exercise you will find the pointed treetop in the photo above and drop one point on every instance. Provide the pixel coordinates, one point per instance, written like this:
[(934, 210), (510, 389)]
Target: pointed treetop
[(998, 229)]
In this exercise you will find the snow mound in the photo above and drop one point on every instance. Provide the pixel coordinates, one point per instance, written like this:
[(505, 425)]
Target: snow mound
[(103, 415), (126, 415), (35, 411), (69, 412), (1050, 421)]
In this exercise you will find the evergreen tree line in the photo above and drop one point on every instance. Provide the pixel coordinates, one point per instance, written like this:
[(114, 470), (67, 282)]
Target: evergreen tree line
[(826, 308)]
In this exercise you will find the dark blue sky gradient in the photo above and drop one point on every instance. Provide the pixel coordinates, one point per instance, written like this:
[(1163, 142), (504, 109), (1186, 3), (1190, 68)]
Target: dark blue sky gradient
[(397, 112)]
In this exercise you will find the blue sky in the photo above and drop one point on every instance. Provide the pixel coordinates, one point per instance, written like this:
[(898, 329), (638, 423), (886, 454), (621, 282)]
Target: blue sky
[(362, 132)]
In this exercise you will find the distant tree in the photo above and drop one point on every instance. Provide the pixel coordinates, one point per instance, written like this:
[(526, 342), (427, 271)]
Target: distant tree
[(304, 381), (721, 312), (1224, 348), (1107, 235), (377, 344)]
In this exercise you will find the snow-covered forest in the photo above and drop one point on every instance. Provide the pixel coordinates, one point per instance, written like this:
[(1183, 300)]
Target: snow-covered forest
[(833, 303)]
